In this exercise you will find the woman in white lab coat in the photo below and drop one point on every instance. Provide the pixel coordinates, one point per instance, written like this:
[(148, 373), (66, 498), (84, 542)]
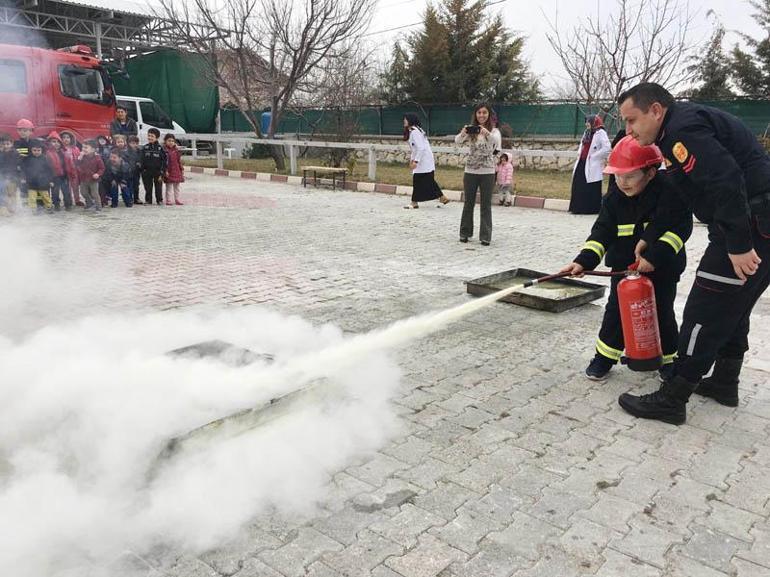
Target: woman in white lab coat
[(587, 175), (424, 185)]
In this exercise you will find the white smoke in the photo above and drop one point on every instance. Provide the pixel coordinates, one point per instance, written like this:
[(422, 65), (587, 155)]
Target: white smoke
[(86, 405)]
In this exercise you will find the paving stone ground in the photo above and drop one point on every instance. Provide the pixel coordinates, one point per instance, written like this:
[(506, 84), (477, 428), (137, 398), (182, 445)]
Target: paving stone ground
[(511, 463)]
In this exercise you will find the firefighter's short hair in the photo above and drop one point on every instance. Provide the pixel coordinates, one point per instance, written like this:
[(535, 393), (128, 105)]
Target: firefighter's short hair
[(646, 94)]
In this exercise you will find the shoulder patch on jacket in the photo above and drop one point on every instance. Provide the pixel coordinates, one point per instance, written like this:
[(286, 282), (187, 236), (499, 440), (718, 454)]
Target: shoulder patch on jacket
[(680, 152)]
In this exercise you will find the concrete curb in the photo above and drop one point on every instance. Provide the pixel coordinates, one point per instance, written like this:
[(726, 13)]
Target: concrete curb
[(519, 200)]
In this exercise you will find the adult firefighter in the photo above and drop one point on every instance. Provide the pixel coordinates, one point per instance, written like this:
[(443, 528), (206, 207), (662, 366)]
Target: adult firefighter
[(722, 171)]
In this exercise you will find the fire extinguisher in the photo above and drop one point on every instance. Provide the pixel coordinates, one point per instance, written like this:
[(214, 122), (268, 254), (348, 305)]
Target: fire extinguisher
[(639, 319)]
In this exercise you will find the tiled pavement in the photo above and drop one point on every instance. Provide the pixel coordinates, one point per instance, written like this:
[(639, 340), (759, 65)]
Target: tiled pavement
[(510, 462)]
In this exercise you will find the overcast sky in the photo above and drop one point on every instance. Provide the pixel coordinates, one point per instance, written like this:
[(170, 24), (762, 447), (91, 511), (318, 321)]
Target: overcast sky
[(529, 18)]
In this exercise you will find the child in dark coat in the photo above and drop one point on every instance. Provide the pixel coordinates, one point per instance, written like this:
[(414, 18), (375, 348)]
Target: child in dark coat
[(115, 179), (134, 160), (153, 163), (10, 165), (38, 175)]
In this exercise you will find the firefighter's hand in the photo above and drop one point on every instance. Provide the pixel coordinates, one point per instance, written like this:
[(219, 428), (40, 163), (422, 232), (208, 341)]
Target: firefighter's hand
[(574, 269), (745, 264), (644, 264), (641, 246)]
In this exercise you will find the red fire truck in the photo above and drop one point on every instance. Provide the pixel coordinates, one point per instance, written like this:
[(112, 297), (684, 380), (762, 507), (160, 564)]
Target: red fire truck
[(66, 89)]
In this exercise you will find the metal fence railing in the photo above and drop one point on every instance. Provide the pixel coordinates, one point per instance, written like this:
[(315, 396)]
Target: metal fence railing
[(293, 146)]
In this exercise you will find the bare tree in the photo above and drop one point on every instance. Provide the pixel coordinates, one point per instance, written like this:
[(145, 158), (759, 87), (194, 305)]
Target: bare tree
[(267, 50), (640, 41), (340, 87)]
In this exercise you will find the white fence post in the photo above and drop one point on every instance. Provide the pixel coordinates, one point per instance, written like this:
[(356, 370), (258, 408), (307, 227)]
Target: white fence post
[(372, 165), (220, 161), (293, 159), (194, 144), (218, 124)]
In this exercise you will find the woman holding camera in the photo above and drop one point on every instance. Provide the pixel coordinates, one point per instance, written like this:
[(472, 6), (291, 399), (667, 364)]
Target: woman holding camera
[(485, 141)]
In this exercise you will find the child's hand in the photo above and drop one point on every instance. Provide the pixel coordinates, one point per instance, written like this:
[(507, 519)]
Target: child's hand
[(645, 265), (412, 164), (641, 246), (574, 269), (95, 176)]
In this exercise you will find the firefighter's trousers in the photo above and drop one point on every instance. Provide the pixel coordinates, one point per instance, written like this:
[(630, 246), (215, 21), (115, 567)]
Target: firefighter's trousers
[(716, 317)]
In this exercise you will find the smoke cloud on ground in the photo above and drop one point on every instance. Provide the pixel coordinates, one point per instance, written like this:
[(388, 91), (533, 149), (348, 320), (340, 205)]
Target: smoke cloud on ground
[(87, 403)]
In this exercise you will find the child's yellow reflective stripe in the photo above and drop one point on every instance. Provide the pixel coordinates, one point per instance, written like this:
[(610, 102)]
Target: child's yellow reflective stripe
[(607, 351), (596, 247)]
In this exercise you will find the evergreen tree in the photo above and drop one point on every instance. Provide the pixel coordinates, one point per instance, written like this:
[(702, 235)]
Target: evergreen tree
[(712, 70), (461, 55), (752, 69), (430, 66), (395, 85)]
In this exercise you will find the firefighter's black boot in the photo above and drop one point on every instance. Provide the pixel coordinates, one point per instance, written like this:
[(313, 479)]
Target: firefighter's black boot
[(668, 404), (722, 385)]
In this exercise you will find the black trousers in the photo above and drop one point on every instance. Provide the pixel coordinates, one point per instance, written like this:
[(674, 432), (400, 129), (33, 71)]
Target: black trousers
[(610, 343), (149, 181), (718, 310), (134, 182)]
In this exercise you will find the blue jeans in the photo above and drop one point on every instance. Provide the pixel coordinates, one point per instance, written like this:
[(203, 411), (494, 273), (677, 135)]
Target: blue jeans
[(125, 192)]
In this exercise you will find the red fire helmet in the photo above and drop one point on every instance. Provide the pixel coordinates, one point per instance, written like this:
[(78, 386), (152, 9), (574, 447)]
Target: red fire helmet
[(24, 123), (628, 155)]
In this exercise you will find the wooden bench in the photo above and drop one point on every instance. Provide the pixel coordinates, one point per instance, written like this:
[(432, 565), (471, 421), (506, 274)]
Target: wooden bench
[(324, 170)]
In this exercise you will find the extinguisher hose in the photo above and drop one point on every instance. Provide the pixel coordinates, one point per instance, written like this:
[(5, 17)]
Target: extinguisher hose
[(605, 273), (608, 273)]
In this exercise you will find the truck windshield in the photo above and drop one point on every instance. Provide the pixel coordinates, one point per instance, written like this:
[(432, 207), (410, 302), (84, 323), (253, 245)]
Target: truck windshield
[(84, 84), (155, 115)]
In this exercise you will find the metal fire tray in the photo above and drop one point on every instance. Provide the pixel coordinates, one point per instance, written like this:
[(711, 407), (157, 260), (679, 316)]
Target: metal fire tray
[(554, 296)]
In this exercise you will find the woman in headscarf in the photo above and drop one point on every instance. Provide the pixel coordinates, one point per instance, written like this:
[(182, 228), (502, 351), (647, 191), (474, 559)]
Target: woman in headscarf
[(424, 185), (587, 175)]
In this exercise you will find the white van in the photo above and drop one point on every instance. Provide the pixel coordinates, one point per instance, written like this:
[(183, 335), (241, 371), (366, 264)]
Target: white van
[(147, 114)]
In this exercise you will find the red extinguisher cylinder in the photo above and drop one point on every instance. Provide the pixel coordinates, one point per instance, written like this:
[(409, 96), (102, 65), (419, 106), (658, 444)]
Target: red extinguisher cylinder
[(639, 318)]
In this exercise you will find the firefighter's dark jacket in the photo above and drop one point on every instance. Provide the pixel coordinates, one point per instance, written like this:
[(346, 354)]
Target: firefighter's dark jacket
[(658, 215), (719, 166)]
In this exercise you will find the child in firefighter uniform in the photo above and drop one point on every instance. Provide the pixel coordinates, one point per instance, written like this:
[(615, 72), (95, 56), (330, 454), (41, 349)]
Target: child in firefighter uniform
[(632, 227)]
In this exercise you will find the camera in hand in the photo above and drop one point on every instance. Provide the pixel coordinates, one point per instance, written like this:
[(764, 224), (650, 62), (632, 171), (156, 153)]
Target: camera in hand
[(473, 129)]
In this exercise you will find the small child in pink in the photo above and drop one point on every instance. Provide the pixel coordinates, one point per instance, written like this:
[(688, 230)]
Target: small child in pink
[(174, 176), (504, 170)]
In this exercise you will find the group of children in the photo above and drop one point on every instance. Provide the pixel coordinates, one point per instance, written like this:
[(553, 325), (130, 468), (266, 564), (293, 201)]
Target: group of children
[(58, 171)]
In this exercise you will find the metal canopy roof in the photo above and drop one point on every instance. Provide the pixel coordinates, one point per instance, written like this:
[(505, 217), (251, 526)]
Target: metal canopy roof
[(106, 25)]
